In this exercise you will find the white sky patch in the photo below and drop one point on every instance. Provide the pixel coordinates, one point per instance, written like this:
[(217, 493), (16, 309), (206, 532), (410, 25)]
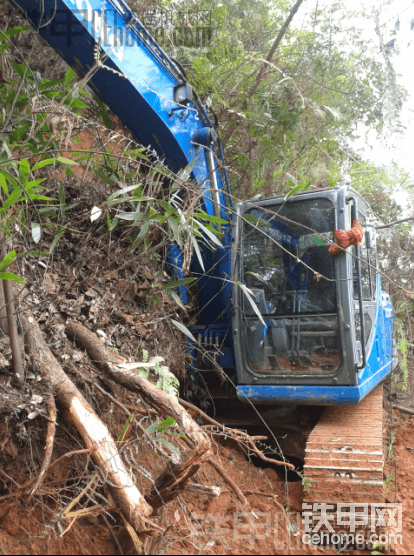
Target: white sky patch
[(396, 147)]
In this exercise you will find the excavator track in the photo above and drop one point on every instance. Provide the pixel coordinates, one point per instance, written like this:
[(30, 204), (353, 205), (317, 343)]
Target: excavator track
[(344, 457)]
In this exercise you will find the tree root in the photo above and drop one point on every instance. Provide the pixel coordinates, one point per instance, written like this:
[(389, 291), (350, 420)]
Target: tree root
[(95, 434), (175, 476), (50, 438), (229, 481), (404, 409), (234, 434)]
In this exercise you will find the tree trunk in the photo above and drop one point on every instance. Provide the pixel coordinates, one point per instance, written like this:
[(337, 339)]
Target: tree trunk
[(276, 43), (18, 368), (4, 324)]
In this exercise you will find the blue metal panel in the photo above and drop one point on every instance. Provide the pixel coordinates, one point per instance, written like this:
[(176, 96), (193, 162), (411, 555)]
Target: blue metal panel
[(312, 395), (206, 337)]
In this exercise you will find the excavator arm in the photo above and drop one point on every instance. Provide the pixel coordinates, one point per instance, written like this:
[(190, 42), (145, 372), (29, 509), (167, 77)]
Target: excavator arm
[(147, 90), (108, 46)]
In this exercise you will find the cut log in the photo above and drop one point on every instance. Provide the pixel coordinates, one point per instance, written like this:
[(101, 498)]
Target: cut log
[(94, 432)]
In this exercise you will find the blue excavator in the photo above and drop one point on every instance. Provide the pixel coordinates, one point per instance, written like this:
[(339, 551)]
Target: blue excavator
[(286, 327)]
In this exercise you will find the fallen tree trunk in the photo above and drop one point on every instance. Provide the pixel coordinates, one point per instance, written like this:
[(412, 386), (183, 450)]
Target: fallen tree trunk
[(175, 476), (94, 432)]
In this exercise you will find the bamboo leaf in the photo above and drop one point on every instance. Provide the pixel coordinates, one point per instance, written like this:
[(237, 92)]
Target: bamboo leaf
[(178, 283), (13, 197), (208, 233), (198, 253), (64, 160), (122, 191), (69, 76), (183, 329), (249, 296), (295, 190), (11, 276), (8, 259), (42, 164), (56, 239)]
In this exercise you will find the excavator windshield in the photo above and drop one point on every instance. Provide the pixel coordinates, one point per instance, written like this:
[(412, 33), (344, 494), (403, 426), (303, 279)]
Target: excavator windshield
[(289, 277)]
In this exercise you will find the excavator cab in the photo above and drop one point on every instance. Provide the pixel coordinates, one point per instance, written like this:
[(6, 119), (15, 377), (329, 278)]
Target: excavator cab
[(308, 326)]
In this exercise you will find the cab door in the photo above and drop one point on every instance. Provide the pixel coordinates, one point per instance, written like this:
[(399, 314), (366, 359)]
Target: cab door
[(364, 285)]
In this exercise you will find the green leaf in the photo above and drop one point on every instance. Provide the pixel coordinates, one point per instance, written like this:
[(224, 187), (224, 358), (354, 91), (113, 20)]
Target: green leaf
[(167, 444), (177, 283), (32, 183), (13, 197), (295, 190), (143, 232), (24, 167), (14, 31), (252, 302), (169, 422), (212, 219), (124, 430), (177, 299), (198, 253), (64, 160), (129, 199), (208, 233), (152, 428), (11, 276), (42, 164), (121, 191), (3, 184), (8, 259), (104, 178), (185, 173), (174, 227), (75, 103), (183, 329), (69, 76), (113, 224), (56, 239), (38, 197), (137, 216)]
